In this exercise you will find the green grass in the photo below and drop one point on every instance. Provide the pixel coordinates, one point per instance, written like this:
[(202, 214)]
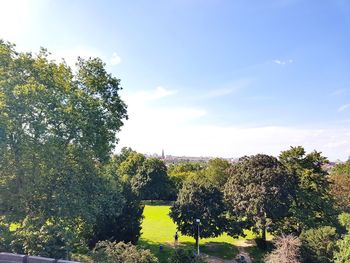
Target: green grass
[(158, 229)]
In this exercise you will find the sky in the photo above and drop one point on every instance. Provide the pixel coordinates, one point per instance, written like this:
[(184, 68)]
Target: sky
[(220, 78)]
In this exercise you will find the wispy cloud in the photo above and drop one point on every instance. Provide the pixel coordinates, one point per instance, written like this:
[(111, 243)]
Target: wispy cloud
[(226, 90), (343, 107), (338, 92), (143, 96), (283, 62), (115, 59)]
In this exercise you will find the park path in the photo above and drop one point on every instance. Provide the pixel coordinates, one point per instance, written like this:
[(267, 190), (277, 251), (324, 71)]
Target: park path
[(241, 246), (242, 251)]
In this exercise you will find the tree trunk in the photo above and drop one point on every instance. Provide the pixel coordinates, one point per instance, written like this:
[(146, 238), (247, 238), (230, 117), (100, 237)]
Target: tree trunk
[(263, 234)]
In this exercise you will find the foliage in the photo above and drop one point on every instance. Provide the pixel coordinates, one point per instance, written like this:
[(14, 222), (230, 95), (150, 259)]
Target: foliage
[(340, 187), (258, 192), (124, 226), (58, 128), (6, 236), (319, 244), (181, 172), (342, 255), (199, 201), (185, 256), (113, 252), (217, 171), (47, 239), (131, 165), (312, 203), (152, 182), (287, 250)]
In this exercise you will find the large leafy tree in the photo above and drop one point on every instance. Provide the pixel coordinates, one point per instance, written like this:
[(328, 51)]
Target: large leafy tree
[(311, 202), (258, 192), (199, 201), (57, 129), (124, 226), (151, 181)]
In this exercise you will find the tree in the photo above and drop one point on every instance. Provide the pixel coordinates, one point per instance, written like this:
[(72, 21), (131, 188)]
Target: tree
[(131, 165), (340, 186), (113, 252), (199, 201), (287, 250), (258, 192), (217, 171), (311, 202), (57, 129), (319, 244), (180, 172), (151, 181), (126, 224)]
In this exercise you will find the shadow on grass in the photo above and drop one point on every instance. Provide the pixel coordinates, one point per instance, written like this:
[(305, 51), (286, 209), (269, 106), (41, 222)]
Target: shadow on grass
[(258, 254), (220, 250), (216, 249)]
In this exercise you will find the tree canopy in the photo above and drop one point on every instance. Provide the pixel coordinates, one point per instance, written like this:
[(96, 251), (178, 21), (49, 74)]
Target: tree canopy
[(258, 192), (57, 128), (199, 201)]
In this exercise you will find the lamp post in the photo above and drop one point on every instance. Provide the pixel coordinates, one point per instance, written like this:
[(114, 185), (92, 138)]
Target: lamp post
[(198, 221)]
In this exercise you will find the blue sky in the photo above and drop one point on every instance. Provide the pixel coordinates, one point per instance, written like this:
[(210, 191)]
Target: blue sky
[(210, 77)]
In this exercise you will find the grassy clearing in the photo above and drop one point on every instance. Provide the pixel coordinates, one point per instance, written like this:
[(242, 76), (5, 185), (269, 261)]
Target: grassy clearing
[(158, 230)]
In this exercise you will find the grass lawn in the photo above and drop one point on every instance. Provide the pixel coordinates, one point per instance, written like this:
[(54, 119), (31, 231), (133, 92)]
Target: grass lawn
[(158, 230)]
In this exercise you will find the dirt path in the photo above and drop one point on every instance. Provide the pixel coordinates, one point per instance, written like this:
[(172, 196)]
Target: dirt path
[(242, 245)]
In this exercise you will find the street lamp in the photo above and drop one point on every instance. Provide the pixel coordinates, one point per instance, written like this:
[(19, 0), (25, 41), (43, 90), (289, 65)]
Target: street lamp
[(198, 221)]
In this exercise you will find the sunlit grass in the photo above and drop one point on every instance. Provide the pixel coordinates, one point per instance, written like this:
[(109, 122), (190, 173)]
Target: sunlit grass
[(158, 230)]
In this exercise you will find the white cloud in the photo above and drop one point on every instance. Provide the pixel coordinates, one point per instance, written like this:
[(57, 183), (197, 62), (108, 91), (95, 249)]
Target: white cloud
[(143, 96), (19, 20), (70, 55), (115, 59), (283, 62), (343, 107), (179, 131), (210, 140)]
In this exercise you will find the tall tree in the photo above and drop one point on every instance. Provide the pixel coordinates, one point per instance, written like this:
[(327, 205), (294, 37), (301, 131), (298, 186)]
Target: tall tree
[(151, 181), (258, 192), (57, 128), (312, 203), (199, 201)]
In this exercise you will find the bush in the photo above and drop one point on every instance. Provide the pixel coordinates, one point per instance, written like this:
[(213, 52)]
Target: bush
[(113, 252), (185, 256), (287, 250), (318, 245)]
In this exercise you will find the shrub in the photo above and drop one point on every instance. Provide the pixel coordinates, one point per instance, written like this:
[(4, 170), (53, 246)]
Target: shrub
[(319, 244), (287, 250), (185, 256), (113, 252)]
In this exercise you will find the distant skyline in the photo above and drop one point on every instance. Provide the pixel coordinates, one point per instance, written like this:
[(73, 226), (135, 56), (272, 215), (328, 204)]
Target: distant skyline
[(210, 77)]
